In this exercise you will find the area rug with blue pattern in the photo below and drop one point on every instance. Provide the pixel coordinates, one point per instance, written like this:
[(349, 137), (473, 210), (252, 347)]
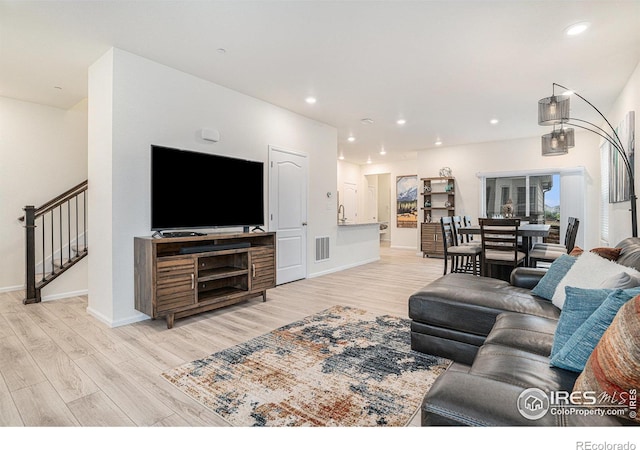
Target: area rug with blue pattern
[(340, 367)]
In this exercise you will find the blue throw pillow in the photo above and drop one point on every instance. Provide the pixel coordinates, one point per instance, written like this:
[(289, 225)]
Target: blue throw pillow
[(576, 351), (579, 305), (557, 270)]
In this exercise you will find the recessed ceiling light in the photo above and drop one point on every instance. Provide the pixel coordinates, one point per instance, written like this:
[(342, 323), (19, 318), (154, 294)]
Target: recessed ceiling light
[(383, 151), (367, 121), (577, 28), (351, 139), (401, 121), (221, 51), (310, 100), (369, 161), (438, 142), (58, 88), (341, 157), (494, 121)]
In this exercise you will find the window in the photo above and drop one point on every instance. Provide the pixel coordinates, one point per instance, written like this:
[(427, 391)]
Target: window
[(527, 193), (543, 196)]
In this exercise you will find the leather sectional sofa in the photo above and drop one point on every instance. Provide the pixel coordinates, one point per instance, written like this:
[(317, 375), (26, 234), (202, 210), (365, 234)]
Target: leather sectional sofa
[(499, 335)]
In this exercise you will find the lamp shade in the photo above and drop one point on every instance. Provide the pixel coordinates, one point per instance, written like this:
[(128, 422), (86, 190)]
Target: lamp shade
[(558, 142), (553, 110)]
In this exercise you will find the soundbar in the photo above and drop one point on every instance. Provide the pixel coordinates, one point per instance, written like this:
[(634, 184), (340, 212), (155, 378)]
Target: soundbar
[(213, 247), (181, 234)]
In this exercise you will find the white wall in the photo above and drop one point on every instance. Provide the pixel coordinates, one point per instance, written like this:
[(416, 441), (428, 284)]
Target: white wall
[(43, 153), (135, 103), (400, 237), (629, 100), (503, 156), (515, 155)]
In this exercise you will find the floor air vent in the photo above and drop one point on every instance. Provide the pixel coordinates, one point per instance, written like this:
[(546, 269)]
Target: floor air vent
[(322, 248)]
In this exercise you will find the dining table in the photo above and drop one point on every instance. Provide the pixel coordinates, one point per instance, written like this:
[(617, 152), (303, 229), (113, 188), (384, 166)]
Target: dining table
[(527, 231)]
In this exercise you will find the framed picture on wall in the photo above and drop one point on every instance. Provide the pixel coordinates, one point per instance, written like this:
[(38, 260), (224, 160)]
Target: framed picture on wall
[(618, 175), (407, 201)]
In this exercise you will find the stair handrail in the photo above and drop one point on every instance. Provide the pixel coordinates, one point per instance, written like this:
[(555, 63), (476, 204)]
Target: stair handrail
[(32, 286), (58, 200)]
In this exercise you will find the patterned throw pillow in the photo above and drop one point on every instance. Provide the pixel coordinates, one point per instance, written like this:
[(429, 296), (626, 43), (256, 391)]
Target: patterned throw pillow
[(613, 369)]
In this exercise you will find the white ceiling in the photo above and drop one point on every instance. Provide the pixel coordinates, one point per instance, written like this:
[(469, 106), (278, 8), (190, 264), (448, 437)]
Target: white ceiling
[(447, 67)]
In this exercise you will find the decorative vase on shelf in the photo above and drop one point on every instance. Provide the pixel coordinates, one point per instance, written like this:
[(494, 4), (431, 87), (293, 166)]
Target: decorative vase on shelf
[(445, 172)]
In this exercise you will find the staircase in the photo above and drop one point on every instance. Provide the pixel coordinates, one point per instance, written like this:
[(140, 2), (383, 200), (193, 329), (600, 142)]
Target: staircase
[(56, 238)]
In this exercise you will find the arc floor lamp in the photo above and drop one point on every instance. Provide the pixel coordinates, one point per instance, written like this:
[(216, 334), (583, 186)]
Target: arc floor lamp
[(555, 111)]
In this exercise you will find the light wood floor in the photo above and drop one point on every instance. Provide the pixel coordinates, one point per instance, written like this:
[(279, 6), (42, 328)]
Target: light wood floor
[(61, 367)]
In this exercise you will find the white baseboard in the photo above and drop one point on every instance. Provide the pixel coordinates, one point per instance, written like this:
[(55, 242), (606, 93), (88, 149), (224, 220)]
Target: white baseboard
[(12, 288), (48, 298), (138, 317), (338, 269), (404, 247)]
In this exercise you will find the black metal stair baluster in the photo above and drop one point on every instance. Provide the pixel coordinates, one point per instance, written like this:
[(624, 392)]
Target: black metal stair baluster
[(77, 244), (84, 214), (69, 228), (44, 235), (53, 267), (60, 230)]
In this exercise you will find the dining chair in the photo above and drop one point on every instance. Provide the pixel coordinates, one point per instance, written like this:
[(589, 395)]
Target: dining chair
[(500, 246), (569, 237), (464, 258), (469, 237), (465, 239), (549, 252)]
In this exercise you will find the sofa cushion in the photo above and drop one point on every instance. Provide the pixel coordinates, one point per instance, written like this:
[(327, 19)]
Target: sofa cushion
[(520, 368), (614, 365), (576, 351), (630, 254), (546, 287), (578, 306), (460, 398), (523, 331), (470, 304), (589, 271), (620, 280)]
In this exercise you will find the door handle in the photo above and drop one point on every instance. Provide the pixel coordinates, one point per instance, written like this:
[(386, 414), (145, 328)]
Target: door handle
[(304, 224)]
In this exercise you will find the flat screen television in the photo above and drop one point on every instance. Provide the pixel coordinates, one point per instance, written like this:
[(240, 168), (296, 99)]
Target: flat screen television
[(199, 190)]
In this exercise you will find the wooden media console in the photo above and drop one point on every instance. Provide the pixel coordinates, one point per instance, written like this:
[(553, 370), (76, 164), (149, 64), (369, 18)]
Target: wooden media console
[(182, 276)]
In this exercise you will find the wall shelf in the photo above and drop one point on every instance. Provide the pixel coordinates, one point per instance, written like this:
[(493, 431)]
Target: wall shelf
[(436, 193)]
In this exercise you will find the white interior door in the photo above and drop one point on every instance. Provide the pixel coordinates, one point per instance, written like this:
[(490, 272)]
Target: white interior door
[(372, 203), (288, 213), (349, 200)]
